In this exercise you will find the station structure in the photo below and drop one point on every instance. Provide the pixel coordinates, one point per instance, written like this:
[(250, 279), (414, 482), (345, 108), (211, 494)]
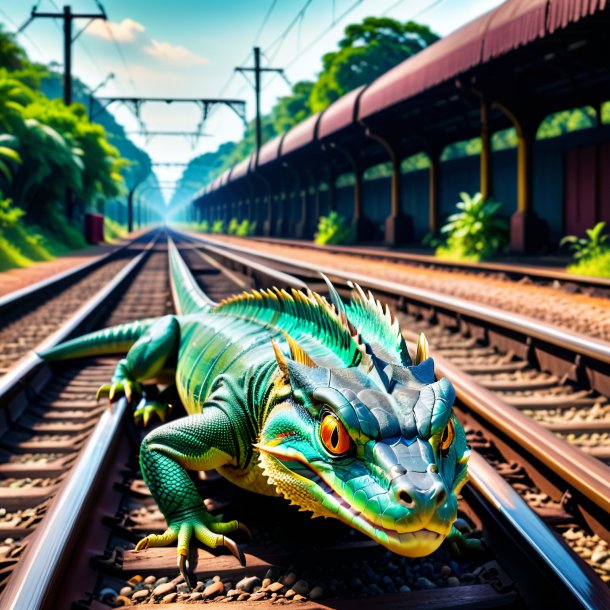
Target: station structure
[(511, 67)]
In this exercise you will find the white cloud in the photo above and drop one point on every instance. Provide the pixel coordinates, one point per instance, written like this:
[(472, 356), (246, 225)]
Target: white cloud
[(166, 51), (125, 31)]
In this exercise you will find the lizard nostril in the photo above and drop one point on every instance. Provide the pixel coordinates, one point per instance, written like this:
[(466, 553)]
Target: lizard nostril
[(406, 498)]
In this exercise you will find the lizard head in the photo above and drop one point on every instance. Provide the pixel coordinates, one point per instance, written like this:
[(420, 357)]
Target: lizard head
[(375, 446)]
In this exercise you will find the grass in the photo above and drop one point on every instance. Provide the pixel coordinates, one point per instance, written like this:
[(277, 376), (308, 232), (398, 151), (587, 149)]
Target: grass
[(598, 266), (113, 231), (21, 245)]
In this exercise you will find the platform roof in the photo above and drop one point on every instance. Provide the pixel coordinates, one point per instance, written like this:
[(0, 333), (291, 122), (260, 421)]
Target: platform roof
[(301, 135), (270, 151), (511, 25), (241, 169), (339, 114)]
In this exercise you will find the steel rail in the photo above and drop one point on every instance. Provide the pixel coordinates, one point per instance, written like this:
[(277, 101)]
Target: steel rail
[(565, 567), (552, 335), (516, 270), (15, 298), (584, 473), (26, 367), (581, 471), (31, 582)]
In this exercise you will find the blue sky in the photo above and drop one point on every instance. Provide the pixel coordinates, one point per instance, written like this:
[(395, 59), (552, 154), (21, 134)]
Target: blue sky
[(189, 48)]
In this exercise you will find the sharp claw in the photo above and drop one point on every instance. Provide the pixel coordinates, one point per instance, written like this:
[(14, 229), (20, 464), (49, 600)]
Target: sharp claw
[(102, 391), (128, 392), (142, 544), (183, 566), (237, 553), (244, 528)]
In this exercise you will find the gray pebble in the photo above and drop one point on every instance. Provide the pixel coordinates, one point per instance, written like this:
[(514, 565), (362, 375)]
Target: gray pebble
[(150, 580), (445, 571), (141, 594), (453, 581), (126, 591), (290, 579), (404, 589), (164, 589), (424, 583), (183, 588), (316, 592), (300, 587), (247, 584)]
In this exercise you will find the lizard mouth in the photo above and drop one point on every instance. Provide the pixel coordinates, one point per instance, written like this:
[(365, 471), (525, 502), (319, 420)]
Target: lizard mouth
[(410, 543), (414, 543)]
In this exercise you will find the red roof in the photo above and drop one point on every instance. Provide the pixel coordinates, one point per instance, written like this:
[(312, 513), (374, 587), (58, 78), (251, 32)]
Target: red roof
[(301, 135), (445, 59), (563, 12), (340, 114), (240, 170), (512, 24), (270, 151)]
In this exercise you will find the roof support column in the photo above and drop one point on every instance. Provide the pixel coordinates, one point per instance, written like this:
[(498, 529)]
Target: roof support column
[(433, 181), (302, 231), (486, 152), (295, 194), (362, 225), (398, 227), (528, 232), (332, 177), (263, 224)]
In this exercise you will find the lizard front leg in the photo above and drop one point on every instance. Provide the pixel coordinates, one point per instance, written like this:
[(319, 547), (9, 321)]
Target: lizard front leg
[(199, 442), (148, 357)]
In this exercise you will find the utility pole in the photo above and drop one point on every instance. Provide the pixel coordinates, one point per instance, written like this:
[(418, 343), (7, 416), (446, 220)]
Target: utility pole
[(68, 17), (257, 89)]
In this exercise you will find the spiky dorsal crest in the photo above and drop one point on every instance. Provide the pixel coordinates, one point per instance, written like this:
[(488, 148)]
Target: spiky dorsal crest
[(311, 322), (377, 327)]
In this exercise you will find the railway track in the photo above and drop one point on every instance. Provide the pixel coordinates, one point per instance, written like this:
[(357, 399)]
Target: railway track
[(544, 276), (81, 557), (505, 377), (29, 316)]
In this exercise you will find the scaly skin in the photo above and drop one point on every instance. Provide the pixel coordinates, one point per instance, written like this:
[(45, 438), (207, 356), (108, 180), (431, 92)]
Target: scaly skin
[(289, 395)]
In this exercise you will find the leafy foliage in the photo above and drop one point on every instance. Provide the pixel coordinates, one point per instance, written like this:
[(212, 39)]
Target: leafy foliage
[(366, 51), (204, 227), (591, 253), (218, 226), (476, 232), (334, 229), (595, 244)]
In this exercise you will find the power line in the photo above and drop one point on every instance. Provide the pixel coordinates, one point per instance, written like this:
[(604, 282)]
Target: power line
[(416, 15), (264, 23), (280, 39)]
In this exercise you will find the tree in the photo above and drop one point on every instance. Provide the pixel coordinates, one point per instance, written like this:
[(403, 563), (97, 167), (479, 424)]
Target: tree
[(292, 109), (367, 50)]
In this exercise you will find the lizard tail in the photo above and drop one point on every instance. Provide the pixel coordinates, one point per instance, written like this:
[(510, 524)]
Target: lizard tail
[(113, 340), (188, 297)]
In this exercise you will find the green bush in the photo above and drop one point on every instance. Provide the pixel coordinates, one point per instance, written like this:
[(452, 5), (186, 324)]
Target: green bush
[(334, 229), (246, 228), (592, 253), (476, 232), (9, 214), (218, 226), (113, 231), (233, 226), (204, 227)]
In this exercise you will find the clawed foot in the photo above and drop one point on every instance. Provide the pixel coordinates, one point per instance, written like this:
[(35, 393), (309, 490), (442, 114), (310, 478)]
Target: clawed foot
[(147, 408), (209, 530), (462, 547), (118, 389)]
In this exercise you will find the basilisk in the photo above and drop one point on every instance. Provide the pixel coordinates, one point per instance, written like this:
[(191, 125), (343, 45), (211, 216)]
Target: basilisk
[(289, 394)]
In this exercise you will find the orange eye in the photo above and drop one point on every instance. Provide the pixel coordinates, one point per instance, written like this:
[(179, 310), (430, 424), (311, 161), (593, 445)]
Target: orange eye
[(334, 435), (447, 437)]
